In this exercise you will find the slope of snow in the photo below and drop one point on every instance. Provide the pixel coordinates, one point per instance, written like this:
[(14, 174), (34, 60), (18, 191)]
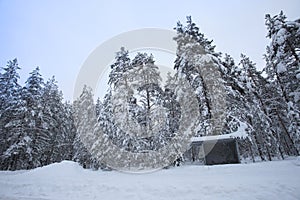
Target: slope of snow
[(67, 180)]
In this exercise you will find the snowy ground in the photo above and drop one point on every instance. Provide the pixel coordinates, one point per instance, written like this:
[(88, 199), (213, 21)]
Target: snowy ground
[(67, 180)]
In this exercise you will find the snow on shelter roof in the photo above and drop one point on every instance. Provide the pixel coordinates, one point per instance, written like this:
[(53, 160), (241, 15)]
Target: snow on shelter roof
[(239, 133)]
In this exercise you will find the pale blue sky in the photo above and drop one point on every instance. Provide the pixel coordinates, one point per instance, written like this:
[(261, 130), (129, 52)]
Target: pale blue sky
[(59, 35)]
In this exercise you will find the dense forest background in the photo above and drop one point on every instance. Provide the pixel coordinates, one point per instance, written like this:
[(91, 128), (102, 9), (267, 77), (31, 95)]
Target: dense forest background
[(38, 128)]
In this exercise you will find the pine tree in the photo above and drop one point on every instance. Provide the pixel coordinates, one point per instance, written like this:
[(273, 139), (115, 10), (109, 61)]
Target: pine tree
[(257, 117), (236, 112), (190, 34), (148, 86), (34, 118), (283, 69), (85, 120), (199, 64), (36, 127), (120, 67), (277, 112), (28, 137), (10, 107), (51, 106), (68, 132), (235, 91), (98, 107), (173, 106), (58, 123)]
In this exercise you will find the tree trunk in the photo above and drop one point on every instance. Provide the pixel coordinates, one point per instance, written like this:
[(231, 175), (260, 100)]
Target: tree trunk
[(291, 142)]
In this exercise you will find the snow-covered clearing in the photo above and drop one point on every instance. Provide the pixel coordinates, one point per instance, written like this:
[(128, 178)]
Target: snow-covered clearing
[(67, 180)]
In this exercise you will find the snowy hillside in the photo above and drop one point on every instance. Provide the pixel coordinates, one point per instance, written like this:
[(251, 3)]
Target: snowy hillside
[(67, 180)]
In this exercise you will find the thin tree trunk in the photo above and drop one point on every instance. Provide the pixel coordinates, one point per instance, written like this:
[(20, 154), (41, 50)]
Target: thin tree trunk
[(291, 142)]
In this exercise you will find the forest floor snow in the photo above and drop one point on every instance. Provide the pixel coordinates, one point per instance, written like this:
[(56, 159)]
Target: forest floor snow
[(67, 180)]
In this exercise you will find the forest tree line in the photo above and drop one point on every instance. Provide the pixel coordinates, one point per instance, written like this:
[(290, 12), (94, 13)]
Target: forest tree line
[(38, 128)]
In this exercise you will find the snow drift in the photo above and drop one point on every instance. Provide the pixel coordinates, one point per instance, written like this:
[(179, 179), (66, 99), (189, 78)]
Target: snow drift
[(67, 180)]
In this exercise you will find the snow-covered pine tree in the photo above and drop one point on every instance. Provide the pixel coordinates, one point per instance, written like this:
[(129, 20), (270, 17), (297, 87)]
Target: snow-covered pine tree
[(283, 70), (8, 84), (199, 64), (276, 109), (112, 107), (105, 119), (230, 73), (119, 67), (51, 106), (173, 106), (262, 134), (98, 107), (236, 109), (85, 120), (133, 115), (147, 83), (10, 107), (68, 132), (29, 138), (59, 124), (34, 119)]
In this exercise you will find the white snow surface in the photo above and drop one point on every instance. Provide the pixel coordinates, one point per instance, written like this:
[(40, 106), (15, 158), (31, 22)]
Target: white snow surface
[(67, 180)]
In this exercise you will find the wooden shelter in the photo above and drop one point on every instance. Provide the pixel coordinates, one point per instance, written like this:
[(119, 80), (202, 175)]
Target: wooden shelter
[(212, 151)]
